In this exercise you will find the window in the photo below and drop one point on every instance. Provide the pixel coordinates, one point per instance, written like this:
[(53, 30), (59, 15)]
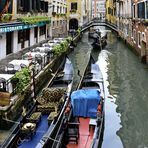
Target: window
[(35, 32), (53, 8), (42, 30), (139, 39), (146, 3), (134, 11), (141, 10), (134, 35), (23, 35), (74, 6)]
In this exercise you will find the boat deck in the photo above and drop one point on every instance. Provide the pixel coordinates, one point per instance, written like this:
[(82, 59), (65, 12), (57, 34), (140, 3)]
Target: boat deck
[(40, 131), (86, 135)]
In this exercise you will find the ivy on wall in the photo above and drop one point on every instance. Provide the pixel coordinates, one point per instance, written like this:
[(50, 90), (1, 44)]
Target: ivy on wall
[(21, 79), (62, 47)]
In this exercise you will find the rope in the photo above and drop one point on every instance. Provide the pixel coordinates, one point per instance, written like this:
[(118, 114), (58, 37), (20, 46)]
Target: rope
[(10, 120), (54, 140)]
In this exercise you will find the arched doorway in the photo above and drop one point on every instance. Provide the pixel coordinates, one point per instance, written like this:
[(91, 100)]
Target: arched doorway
[(73, 24)]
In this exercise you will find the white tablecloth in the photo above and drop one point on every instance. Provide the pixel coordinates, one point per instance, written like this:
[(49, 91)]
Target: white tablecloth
[(17, 64)]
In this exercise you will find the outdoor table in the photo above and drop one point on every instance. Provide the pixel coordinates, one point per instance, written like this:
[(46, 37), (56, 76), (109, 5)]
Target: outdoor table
[(34, 54), (42, 49), (17, 64)]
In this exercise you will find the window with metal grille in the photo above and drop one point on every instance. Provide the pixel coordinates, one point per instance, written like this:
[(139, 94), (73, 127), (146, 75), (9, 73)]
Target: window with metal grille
[(141, 10), (74, 6)]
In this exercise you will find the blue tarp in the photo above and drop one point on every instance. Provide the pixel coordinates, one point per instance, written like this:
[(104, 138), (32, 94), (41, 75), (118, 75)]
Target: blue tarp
[(85, 102)]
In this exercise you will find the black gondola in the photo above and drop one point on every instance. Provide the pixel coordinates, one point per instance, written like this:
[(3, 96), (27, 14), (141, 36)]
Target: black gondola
[(99, 39), (85, 112), (46, 116)]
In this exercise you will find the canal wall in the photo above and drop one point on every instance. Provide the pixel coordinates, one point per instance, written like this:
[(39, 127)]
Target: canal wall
[(142, 57)]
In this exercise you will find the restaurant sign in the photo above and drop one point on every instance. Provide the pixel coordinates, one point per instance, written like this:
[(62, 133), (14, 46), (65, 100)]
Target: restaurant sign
[(19, 27)]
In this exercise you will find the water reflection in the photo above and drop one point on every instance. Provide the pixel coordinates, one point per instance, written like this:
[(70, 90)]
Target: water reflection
[(126, 106), (80, 58), (128, 84)]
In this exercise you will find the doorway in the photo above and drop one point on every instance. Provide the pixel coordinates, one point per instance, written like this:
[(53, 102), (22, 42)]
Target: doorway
[(73, 24), (8, 43)]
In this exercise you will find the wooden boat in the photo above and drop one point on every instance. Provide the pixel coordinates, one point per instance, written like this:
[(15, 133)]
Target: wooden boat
[(47, 108), (85, 112), (99, 38), (99, 43)]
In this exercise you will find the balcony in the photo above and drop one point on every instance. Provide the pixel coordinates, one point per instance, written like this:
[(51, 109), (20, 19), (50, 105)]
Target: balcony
[(73, 11), (6, 18), (34, 19), (53, 14)]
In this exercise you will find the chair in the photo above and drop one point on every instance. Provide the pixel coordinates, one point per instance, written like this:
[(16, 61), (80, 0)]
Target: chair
[(73, 130), (38, 58), (2, 84), (10, 69), (22, 66)]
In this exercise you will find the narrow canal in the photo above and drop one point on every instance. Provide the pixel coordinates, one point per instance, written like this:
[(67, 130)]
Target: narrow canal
[(125, 78)]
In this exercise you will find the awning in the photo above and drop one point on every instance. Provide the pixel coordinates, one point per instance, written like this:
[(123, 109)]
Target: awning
[(14, 27)]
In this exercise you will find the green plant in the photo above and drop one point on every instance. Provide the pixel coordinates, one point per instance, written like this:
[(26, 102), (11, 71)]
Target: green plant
[(73, 11), (21, 79), (62, 47), (78, 30), (6, 17), (34, 19)]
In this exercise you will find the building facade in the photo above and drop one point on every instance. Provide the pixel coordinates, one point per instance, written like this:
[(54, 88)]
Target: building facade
[(111, 13), (131, 20), (23, 23), (98, 9), (78, 12), (59, 19), (139, 38)]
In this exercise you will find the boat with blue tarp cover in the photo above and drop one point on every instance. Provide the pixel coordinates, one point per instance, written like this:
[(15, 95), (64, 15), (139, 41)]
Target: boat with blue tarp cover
[(46, 115), (84, 115), (89, 99)]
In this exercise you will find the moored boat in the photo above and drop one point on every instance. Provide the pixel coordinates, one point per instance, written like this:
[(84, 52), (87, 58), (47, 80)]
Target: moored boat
[(85, 111), (99, 38), (47, 108)]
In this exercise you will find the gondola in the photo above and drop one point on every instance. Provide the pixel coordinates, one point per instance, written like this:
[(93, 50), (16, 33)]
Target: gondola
[(99, 43), (99, 39), (47, 110), (85, 112)]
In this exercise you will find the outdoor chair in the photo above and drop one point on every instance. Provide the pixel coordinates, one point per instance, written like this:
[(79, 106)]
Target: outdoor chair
[(22, 66), (10, 69), (38, 58)]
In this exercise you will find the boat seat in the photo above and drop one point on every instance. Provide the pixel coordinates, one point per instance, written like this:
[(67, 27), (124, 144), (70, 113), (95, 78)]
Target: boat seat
[(35, 117), (73, 131), (28, 130)]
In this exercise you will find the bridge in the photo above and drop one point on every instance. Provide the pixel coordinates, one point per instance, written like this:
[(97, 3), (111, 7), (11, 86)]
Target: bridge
[(97, 22)]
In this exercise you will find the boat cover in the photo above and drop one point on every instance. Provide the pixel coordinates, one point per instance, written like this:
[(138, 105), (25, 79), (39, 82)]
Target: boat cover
[(85, 102)]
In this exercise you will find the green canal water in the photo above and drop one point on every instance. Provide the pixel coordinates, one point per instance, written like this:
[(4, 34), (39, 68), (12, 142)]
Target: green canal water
[(126, 90)]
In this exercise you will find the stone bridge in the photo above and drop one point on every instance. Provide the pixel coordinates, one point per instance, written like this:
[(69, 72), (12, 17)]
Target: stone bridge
[(97, 22)]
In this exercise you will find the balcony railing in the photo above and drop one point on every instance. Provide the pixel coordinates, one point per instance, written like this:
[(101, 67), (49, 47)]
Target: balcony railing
[(53, 14), (73, 11), (6, 18)]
